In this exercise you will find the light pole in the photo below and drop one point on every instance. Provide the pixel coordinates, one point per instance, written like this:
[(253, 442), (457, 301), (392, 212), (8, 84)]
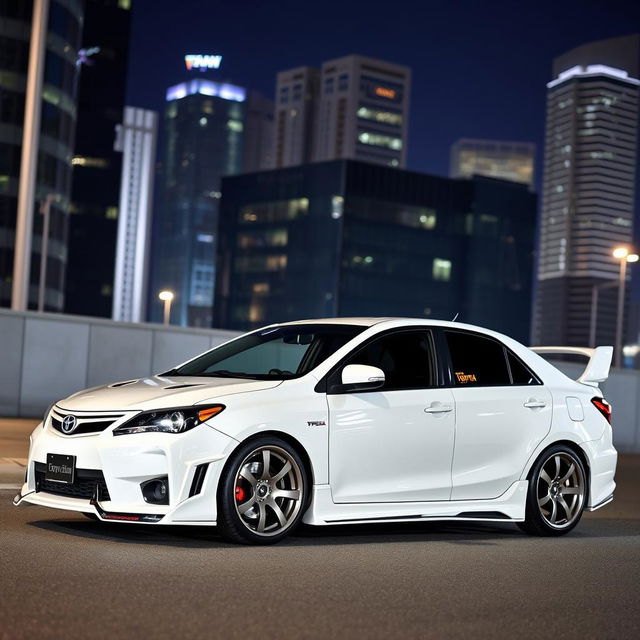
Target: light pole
[(166, 297), (622, 254)]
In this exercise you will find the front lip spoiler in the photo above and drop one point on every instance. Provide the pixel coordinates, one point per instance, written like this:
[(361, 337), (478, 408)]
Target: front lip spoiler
[(149, 518), (122, 517)]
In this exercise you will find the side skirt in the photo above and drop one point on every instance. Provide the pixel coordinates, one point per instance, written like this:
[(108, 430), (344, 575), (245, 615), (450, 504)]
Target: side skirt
[(509, 507)]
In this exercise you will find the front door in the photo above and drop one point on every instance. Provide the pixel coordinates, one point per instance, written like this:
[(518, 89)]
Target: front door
[(394, 444)]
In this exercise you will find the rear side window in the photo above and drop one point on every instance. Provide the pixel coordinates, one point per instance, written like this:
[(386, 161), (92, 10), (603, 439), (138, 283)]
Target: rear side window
[(405, 357), (477, 361), (521, 374)]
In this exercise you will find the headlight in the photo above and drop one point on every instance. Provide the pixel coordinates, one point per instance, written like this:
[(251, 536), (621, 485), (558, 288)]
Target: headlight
[(168, 420)]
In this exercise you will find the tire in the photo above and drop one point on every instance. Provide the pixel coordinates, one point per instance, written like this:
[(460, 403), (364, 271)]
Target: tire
[(262, 493), (557, 493)]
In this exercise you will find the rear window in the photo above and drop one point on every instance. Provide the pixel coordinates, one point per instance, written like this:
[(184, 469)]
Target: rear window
[(477, 361)]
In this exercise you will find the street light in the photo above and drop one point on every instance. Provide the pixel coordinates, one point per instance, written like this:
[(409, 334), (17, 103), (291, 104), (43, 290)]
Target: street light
[(166, 297), (622, 254)]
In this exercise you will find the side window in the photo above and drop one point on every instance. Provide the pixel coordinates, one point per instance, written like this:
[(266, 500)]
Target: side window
[(477, 361), (520, 374), (405, 357)]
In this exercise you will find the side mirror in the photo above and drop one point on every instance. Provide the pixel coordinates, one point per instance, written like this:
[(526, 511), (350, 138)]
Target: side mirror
[(359, 377)]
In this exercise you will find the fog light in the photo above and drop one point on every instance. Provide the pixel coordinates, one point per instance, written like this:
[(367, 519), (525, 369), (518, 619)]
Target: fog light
[(156, 491)]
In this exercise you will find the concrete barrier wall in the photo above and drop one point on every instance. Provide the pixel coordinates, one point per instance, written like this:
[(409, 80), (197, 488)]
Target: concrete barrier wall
[(45, 357)]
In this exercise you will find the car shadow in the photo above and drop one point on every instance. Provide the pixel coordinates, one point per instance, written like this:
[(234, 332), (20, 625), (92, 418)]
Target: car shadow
[(467, 533)]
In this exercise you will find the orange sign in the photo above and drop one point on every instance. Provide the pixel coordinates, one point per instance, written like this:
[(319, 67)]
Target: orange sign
[(385, 93), (466, 377)]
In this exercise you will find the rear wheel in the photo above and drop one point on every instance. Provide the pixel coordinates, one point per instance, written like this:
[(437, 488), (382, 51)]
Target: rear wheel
[(262, 492), (557, 493)]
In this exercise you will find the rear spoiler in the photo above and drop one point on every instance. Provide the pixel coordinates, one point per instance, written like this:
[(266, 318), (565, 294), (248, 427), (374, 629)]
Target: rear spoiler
[(597, 369)]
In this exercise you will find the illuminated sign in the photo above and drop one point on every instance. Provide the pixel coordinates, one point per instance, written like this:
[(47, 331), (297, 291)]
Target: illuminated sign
[(202, 62), (385, 93)]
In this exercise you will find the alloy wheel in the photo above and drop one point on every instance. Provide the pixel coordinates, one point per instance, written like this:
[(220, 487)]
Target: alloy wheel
[(560, 490), (268, 490)]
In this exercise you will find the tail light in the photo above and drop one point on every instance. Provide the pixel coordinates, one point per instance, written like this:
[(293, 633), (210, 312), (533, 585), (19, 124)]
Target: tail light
[(603, 407)]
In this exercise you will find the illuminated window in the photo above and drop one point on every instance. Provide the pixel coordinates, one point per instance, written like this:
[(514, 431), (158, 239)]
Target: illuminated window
[(261, 288), (441, 269), (274, 211), (384, 92), (379, 115), (247, 264), (271, 238), (380, 140), (337, 207), (124, 4), (234, 125), (111, 213), (85, 161)]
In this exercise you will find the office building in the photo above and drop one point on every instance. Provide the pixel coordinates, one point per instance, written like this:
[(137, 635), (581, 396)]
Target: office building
[(590, 164), (203, 141), (348, 238), (363, 111), (97, 166), (494, 159), (354, 107), (297, 93), (137, 139), (56, 142)]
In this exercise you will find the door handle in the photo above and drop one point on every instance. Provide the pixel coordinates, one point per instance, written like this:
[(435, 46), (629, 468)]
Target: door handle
[(438, 408), (535, 404)]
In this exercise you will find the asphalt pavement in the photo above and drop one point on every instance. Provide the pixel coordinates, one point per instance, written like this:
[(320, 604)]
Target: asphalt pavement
[(62, 575)]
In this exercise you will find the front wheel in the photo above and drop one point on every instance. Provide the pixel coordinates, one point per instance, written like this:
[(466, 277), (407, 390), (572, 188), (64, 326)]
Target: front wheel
[(262, 492), (557, 493)]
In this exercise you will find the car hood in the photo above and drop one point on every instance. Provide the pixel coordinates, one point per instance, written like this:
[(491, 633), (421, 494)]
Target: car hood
[(160, 392)]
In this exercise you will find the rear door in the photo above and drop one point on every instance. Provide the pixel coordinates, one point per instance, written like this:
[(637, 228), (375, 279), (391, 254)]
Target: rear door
[(502, 413), (393, 444)]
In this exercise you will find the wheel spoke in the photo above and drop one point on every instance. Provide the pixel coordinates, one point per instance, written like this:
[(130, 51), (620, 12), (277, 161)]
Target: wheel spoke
[(571, 491), (556, 459), (545, 476), (293, 494), (245, 506), (248, 476), (567, 475), (543, 501), (266, 463), (565, 506), (263, 517), (282, 519), (554, 512), (282, 473)]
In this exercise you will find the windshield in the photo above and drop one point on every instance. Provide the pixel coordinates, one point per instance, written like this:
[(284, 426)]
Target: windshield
[(278, 353)]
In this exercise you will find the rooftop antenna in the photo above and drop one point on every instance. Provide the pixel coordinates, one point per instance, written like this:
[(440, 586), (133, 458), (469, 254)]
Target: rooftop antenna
[(455, 317)]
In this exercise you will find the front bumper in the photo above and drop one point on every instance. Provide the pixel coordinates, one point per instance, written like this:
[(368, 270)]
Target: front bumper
[(125, 462)]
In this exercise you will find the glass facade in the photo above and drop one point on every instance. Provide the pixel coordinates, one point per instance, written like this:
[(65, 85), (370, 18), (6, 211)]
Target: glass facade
[(374, 241), (57, 130), (204, 135)]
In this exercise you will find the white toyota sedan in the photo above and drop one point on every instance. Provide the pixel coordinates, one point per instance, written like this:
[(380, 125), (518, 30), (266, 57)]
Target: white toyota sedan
[(336, 421)]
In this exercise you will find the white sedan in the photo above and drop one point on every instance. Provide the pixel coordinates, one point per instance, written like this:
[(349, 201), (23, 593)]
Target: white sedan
[(336, 421)]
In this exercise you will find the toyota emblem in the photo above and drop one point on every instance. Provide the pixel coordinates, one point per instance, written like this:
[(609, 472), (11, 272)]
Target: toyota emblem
[(69, 424)]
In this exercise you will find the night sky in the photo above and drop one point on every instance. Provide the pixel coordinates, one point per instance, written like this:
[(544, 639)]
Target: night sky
[(479, 67)]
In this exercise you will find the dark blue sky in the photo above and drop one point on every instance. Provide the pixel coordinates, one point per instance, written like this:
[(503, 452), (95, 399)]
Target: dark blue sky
[(479, 67)]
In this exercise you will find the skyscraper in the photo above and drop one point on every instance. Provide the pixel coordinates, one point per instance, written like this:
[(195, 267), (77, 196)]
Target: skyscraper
[(297, 92), (57, 130), (363, 111), (589, 186), (137, 137), (97, 165), (493, 158), (203, 123), (354, 107), (258, 132)]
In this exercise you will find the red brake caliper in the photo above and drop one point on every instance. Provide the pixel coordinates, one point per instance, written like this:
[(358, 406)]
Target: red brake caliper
[(239, 494)]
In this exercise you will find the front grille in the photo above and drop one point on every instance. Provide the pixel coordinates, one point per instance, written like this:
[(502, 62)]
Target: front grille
[(83, 486), (94, 423)]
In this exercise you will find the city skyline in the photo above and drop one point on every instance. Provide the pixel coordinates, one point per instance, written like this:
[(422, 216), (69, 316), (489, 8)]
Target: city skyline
[(467, 82)]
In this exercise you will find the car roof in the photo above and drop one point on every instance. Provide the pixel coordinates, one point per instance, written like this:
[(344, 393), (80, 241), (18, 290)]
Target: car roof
[(391, 321)]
